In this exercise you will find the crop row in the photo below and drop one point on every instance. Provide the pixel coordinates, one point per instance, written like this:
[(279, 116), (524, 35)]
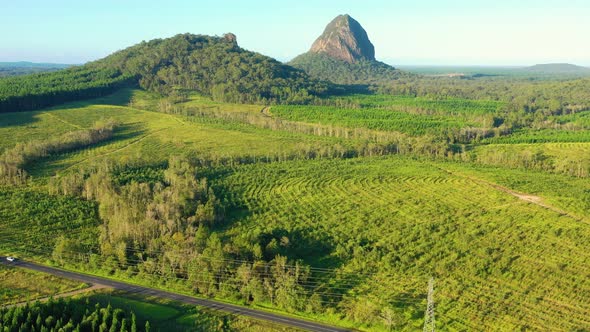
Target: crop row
[(412, 219), (373, 118), (450, 106)]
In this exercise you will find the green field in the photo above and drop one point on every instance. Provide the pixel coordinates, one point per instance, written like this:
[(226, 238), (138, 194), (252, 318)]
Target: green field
[(413, 219), (18, 285), (152, 137), (503, 234), (409, 115)]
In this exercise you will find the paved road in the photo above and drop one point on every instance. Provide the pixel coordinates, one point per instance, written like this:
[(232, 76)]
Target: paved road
[(230, 308)]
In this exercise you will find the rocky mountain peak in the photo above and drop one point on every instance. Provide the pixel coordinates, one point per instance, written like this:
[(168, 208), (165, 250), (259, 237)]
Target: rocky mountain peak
[(345, 39)]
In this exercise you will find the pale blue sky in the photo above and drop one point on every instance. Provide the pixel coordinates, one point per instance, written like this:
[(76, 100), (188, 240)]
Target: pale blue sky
[(450, 32)]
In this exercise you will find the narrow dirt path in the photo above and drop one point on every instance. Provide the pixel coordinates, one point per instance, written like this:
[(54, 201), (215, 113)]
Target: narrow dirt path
[(537, 200), (60, 295), (135, 141), (64, 121), (139, 139)]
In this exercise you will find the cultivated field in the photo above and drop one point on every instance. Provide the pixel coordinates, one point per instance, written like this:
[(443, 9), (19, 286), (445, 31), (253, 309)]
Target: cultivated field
[(402, 220), (506, 243)]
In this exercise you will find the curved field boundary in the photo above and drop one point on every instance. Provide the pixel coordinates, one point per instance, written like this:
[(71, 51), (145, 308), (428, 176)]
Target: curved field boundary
[(133, 142), (537, 200)]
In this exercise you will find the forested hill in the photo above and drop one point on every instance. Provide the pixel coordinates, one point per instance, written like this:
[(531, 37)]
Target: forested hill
[(323, 67), (213, 66)]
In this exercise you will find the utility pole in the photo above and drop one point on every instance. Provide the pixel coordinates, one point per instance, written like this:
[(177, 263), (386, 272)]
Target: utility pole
[(429, 325)]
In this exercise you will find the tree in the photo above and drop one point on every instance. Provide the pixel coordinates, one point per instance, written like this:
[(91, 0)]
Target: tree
[(133, 322)]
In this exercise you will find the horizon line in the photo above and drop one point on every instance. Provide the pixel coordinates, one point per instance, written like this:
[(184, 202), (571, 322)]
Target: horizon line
[(387, 61)]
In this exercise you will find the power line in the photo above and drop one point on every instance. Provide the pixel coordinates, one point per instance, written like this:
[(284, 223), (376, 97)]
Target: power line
[(223, 278), (350, 278), (429, 323)]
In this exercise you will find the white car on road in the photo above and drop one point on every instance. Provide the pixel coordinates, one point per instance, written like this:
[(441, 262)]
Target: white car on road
[(10, 259)]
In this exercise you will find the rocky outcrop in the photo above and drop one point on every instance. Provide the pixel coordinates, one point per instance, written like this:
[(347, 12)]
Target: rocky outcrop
[(345, 39), (230, 37)]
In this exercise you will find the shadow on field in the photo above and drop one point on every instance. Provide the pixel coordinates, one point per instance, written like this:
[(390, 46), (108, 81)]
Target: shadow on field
[(294, 244), (28, 118), (306, 244), (163, 315), (49, 166), (121, 97)]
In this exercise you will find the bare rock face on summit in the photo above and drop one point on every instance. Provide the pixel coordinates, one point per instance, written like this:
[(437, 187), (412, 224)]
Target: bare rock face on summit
[(345, 39), (343, 54)]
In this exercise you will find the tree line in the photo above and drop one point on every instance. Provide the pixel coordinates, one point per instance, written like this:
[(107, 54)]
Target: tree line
[(544, 97), (324, 67), (531, 157), (68, 316), (31, 92), (453, 143)]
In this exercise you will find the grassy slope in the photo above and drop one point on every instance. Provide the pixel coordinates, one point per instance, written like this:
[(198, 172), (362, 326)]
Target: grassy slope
[(147, 135), (18, 285)]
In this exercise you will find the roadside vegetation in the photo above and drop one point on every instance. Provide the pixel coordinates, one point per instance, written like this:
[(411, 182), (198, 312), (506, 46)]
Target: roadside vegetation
[(19, 285), (172, 316)]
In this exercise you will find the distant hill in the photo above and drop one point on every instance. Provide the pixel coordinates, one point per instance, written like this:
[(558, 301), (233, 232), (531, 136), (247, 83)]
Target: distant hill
[(27, 64), (212, 66), (558, 68), (25, 68), (344, 54)]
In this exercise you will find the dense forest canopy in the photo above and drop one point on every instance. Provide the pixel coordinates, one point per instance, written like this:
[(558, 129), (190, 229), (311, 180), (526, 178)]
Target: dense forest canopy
[(217, 67), (323, 67), (30, 92), (68, 315)]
